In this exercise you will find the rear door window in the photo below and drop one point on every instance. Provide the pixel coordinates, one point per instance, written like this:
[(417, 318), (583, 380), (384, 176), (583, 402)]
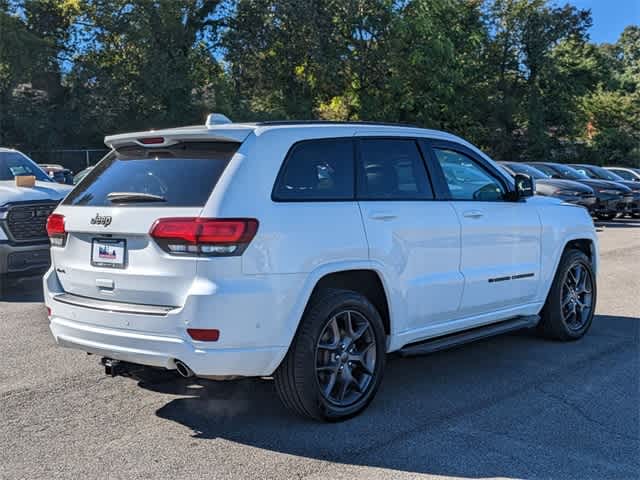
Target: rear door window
[(317, 170), (178, 176), (392, 169)]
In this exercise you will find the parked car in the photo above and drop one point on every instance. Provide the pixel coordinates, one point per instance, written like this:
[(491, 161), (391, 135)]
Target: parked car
[(612, 198), (566, 190), (24, 245), (594, 171), (81, 174), (307, 251), (58, 173), (628, 173)]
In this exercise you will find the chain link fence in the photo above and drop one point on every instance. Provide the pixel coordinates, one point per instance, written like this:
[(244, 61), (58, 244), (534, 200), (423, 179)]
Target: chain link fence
[(73, 159)]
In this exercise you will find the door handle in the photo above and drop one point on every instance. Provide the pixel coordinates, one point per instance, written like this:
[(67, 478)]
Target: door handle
[(473, 214), (384, 216)]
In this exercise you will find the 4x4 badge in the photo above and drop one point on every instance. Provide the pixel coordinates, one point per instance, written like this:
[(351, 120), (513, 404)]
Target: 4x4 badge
[(101, 220)]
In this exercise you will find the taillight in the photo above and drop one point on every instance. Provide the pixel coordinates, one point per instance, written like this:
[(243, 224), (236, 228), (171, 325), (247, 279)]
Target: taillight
[(56, 230), (217, 237)]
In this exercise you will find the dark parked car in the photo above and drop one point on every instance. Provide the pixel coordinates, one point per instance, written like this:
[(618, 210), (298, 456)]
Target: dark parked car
[(567, 190), (58, 173), (628, 173), (612, 198), (599, 173)]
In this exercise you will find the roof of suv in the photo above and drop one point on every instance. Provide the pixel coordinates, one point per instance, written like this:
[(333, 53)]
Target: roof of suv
[(237, 132)]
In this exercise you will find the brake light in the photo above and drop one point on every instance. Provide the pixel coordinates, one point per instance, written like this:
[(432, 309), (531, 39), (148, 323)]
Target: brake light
[(56, 230), (204, 236), (151, 140)]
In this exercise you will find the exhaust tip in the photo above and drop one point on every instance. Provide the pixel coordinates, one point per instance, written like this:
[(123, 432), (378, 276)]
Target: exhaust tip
[(183, 370)]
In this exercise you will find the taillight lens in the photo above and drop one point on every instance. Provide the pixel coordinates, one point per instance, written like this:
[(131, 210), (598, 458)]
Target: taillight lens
[(56, 230), (217, 237)]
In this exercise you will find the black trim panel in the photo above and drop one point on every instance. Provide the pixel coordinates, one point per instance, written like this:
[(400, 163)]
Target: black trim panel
[(513, 277)]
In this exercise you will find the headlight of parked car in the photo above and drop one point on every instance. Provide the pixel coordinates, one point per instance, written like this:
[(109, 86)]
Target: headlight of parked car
[(610, 192), (568, 193)]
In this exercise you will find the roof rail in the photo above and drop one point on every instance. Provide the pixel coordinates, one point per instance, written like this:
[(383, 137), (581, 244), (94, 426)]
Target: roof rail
[(217, 119), (333, 122)]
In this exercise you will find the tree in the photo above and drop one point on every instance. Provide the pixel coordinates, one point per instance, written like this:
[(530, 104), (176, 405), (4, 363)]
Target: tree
[(146, 63), (526, 33)]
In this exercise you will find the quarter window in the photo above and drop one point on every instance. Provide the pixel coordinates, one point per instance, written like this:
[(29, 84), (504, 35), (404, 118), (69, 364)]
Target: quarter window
[(392, 170), (317, 170), (466, 179)]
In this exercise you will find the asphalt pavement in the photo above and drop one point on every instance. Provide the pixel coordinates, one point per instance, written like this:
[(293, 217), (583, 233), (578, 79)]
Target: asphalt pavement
[(513, 406)]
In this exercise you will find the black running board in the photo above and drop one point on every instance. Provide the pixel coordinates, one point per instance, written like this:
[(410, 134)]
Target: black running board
[(448, 341)]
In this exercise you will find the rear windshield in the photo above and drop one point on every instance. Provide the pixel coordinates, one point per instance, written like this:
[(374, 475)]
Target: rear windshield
[(14, 164), (178, 176)]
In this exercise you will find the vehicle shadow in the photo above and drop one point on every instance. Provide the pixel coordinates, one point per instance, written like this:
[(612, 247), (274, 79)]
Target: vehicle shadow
[(23, 290), (512, 406)]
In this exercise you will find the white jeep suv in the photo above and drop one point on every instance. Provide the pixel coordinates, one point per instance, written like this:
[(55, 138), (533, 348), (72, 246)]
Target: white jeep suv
[(307, 251)]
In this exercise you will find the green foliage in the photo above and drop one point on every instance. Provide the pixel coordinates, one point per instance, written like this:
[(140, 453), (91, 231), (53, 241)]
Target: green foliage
[(517, 77)]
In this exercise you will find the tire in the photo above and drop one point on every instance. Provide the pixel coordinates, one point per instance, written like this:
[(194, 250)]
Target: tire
[(606, 216), (556, 320), (317, 354)]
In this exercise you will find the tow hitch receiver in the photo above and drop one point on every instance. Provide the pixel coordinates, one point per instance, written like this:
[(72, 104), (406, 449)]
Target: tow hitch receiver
[(111, 367)]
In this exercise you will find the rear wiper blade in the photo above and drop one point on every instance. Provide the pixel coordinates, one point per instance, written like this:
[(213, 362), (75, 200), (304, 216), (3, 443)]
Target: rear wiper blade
[(124, 197)]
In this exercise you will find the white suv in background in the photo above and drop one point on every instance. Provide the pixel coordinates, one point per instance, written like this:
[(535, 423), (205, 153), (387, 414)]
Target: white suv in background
[(307, 251)]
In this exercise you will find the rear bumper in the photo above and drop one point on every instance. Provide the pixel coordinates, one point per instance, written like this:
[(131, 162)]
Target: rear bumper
[(163, 351), (254, 329)]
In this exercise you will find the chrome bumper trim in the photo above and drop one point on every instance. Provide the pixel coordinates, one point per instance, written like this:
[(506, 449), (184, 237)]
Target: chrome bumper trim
[(109, 306)]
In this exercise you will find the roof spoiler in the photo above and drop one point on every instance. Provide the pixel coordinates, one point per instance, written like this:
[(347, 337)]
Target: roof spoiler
[(218, 127)]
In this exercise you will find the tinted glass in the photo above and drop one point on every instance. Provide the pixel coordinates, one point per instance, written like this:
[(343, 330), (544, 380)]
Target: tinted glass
[(586, 172), (392, 170), (570, 173), (14, 164), (606, 174), (546, 169), (626, 175), (317, 170), (466, 179), (527, 170), (179, 176)]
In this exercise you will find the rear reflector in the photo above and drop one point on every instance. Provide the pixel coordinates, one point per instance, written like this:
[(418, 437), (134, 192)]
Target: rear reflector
[(204, 334), (151, 140), (205, 236), (56, 229)]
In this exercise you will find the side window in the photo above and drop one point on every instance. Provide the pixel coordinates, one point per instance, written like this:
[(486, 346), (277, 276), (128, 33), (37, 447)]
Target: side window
[(466, 179), (317, 170), (624, 174), (549, 171), (392, 170)]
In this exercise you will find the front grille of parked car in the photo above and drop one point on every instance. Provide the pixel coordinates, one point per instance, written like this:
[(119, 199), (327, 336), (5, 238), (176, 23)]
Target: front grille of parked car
[(27, 223)]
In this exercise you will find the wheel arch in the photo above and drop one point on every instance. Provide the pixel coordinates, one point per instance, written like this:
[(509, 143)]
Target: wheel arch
[(587, 244), (365, 281), (343, 275)]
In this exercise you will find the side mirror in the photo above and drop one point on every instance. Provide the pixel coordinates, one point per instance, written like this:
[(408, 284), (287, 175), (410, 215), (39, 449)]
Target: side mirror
[(525, 186)]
